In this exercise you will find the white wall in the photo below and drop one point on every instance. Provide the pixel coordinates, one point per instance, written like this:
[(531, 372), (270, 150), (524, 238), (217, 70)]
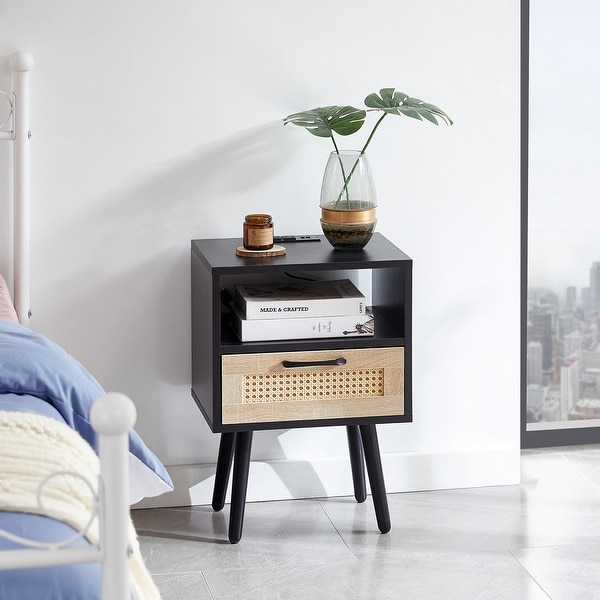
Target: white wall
[(156, 122)]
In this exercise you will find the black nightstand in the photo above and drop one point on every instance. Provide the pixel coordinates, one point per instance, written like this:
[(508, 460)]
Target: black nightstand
[(222, 365)]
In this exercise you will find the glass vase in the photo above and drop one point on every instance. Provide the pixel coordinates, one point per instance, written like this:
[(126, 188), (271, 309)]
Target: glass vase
[(348, 200)]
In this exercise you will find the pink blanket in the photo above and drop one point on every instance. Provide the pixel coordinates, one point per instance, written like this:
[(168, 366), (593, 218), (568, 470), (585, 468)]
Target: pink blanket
[(7, 310)]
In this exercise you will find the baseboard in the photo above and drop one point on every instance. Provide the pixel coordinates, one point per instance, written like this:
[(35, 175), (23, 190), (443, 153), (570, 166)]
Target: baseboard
[(329, 477)]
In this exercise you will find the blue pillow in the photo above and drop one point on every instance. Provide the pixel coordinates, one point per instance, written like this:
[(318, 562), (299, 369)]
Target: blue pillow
[(31, 364)]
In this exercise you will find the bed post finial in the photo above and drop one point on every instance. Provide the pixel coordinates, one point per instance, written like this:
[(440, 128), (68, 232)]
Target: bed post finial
[(21, 61), (113, 414)]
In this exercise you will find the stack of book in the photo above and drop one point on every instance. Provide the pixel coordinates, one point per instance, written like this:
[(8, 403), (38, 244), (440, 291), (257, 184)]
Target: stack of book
[(300, 310)]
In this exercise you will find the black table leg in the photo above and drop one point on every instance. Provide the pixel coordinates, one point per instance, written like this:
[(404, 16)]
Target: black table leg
[(373, 461), (235, 449), (357, 462), (224, 462), (241, 467)]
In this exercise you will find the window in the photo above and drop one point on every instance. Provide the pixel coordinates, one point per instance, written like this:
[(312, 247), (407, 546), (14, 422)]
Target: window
[(561, 222)]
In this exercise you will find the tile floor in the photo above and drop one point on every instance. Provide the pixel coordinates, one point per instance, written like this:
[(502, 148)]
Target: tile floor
[(538, 540)]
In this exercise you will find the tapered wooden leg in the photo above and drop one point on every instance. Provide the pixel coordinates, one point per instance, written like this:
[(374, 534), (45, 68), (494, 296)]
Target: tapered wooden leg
[(357, 462), (224, 462), (241, 468), (373, 461)]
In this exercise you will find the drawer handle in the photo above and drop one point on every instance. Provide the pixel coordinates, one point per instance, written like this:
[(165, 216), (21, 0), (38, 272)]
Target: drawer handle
[(290, 364)]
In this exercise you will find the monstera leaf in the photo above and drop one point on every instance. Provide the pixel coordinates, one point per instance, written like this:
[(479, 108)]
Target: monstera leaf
[(323, 121), (398, 103), (346, 120)]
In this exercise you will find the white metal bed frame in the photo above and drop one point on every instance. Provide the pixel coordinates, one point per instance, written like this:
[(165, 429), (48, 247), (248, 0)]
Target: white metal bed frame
[(112, 415), (19, 133)]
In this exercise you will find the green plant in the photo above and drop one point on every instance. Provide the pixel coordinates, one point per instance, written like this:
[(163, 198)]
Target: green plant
[(346, 120)]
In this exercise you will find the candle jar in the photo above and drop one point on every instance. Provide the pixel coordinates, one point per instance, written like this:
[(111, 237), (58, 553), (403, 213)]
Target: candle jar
[(258, 232)]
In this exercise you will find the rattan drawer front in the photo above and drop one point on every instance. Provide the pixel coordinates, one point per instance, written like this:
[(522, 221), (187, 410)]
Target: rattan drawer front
[(258, 388)]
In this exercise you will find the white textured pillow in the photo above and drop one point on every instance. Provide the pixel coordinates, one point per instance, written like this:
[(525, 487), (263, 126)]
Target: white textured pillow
[(7, 309)]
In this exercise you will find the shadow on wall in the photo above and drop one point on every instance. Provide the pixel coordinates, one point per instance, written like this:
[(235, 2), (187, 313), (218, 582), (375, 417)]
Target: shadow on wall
[(139, 233), (199, 187)]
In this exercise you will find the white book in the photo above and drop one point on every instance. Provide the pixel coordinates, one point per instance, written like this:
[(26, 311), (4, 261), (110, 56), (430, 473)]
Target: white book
[(293, 299), (263, 330)]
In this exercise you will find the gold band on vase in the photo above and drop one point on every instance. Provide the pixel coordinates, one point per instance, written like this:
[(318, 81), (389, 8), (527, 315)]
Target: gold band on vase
[(348, 217)]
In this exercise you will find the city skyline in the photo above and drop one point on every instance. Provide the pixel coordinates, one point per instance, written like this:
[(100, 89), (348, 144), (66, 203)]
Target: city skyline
[(561, 288), (563, 351)]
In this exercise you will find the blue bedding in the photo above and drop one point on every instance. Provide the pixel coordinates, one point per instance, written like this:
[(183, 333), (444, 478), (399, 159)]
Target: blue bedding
[(76, 582), (31, 364), (72, 582), (38, 376), (30, 404)]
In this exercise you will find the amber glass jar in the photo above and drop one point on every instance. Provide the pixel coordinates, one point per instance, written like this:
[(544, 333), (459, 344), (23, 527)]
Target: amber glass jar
[(258, 232)]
